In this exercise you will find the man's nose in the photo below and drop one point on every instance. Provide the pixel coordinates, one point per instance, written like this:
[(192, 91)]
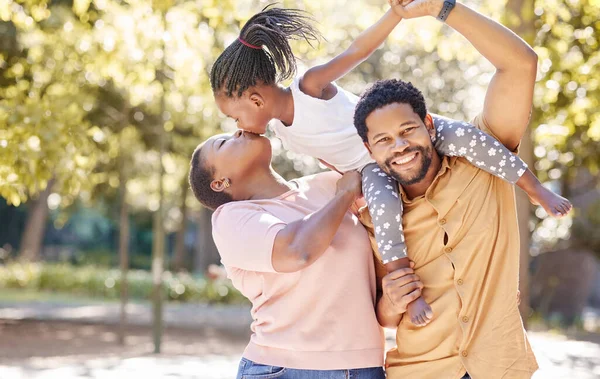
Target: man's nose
[(400, 144)]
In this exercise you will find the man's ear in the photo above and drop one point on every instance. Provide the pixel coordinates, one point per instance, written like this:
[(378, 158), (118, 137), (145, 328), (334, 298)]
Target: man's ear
[(430, 127), (220, 185), (257, 99), (368, 148)]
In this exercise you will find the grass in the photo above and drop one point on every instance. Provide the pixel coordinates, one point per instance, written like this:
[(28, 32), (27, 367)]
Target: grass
[(65, 282), (14, 295)]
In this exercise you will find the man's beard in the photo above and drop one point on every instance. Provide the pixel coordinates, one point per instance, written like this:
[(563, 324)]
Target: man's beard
[(426, 156)]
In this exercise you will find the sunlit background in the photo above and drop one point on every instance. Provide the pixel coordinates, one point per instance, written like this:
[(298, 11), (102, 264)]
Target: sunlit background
[(96, 94)]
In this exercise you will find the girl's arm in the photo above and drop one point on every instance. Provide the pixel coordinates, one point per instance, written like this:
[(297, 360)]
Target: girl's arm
[(317, 81)]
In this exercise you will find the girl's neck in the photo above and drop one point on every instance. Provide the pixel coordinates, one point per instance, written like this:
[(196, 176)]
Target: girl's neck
[(283, 104)]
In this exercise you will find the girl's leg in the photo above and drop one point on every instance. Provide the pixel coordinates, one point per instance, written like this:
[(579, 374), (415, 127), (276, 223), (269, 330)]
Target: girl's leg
[(459, 138), (385, 207)]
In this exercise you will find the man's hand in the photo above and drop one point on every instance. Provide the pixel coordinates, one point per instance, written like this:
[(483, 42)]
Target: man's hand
[(417, 8), (400, 288)]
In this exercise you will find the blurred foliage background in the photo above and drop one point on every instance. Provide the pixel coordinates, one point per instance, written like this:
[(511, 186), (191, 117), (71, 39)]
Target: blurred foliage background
[(103, 101)]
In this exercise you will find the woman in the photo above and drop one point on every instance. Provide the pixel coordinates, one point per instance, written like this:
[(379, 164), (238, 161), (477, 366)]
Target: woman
[(302, 259)]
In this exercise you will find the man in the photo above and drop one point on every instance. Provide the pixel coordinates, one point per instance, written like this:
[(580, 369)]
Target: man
[(460, 223)]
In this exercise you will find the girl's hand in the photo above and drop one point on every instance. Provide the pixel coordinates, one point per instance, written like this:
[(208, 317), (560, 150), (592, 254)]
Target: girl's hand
[(416, 8)]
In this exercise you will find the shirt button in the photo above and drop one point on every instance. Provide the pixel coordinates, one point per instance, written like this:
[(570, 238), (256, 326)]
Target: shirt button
[(460, 282), (443, 221), (464, 353), (465, 319), (448, 250)]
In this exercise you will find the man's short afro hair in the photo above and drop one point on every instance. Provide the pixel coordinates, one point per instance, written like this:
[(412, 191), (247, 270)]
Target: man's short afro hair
[(385, 92)]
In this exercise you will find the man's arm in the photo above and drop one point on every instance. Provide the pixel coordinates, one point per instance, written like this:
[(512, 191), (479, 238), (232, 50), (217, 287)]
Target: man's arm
[(509, 97), (316, 82)]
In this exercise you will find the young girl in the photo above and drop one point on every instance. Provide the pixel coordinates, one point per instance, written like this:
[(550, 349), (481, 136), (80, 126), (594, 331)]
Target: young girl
[(314, 116)]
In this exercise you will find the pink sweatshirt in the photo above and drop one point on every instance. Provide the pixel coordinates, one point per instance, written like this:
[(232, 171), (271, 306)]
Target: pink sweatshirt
[(318, 318)]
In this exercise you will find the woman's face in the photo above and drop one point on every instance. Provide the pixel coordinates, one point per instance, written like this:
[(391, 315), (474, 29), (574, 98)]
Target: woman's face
[(237, 155)]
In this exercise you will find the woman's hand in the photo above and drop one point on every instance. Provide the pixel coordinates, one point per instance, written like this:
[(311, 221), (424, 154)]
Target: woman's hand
[(350, 183)]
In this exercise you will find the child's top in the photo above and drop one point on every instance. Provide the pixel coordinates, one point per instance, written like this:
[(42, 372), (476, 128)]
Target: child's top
[(324, 129)]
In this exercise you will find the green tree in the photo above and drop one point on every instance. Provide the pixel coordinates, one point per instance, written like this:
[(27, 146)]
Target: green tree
[(567, 132), (43, 100)]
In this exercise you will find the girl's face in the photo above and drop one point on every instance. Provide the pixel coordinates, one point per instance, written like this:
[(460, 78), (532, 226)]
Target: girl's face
[(248, 111)]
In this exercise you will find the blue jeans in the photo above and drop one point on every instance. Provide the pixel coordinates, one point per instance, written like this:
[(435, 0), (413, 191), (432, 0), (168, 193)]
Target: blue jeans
[(252, 370)]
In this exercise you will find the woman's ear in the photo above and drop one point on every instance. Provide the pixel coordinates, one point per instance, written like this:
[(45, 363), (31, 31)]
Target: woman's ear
[(220, 185)]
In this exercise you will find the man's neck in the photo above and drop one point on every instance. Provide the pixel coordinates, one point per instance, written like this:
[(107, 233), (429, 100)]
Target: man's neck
[(419, 189)]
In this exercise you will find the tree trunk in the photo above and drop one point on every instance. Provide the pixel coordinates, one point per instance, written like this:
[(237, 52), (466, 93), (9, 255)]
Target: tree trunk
[(524, 217), (123, 257), (180, 256), (158, 228), (158, 258), (206, 251), (35, 226), (520, 18)]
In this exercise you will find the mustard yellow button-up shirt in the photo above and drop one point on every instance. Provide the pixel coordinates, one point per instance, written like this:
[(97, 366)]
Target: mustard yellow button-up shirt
[(464, 239)]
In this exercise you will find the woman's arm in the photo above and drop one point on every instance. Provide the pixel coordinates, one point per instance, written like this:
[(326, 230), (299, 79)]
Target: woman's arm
[(318, 79), (302, 242)]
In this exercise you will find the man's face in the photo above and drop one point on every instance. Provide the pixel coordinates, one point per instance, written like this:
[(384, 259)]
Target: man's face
[(400, 142)]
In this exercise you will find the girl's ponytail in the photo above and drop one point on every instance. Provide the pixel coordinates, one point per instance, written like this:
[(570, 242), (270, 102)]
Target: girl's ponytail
[(262, 53)]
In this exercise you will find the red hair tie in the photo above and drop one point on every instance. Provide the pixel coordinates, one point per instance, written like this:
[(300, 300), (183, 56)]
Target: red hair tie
[(249, 44)]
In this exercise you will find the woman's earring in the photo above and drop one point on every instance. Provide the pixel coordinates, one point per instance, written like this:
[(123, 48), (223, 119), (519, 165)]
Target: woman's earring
[(226, 183)]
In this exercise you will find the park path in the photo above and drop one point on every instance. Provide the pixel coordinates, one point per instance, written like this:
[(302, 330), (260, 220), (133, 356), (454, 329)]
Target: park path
[(78, 340)]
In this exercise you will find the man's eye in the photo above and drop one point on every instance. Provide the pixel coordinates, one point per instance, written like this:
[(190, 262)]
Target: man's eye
[(410, 129), (384, 139)]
